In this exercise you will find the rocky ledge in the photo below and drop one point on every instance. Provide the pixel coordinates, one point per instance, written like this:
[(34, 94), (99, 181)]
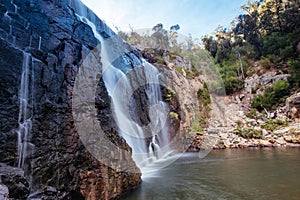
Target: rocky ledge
[(282, 128)]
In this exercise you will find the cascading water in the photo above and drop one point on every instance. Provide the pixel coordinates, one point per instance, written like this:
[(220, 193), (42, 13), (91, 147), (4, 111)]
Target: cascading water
[(149, 142), (24, 119), (120, 89)]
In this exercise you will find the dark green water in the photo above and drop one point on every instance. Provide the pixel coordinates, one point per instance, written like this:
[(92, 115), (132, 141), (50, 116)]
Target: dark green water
[(269, 173)]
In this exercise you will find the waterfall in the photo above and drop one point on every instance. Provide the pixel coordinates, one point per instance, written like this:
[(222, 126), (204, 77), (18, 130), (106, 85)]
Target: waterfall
[(149, 142), (24, 119), (120, 88)]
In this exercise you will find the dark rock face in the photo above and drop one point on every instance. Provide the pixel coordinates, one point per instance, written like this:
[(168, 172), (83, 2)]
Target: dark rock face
[(15, 181), (55, 42)]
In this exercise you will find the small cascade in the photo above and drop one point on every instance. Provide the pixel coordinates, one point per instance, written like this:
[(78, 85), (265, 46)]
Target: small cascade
[(25, 111), (10, 37), (10, 29), (149, 143), (40, 43), (30, 41), (154, 147), (15, 6)]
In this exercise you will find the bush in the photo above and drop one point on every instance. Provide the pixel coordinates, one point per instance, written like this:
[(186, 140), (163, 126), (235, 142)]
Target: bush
[(252, 114), (170, 94), (294, 70), (274, 124), (196, 127), (204, 96), (229, 73), (281, 89), (173, 115), (179, 69), (265, 63), (233, 84), (249, 133), (272, 97)]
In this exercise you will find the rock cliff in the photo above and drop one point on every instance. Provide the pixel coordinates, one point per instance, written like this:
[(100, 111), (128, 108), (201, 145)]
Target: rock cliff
[(42, 45)]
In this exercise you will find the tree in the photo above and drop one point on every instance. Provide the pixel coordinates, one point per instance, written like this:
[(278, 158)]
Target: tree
[(161, 37), (210, 45), (174, 34)]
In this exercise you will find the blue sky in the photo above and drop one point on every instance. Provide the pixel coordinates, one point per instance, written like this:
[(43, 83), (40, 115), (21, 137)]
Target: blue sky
[(198, 17)]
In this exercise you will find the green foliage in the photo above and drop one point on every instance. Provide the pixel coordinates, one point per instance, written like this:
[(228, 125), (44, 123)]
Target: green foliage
[(196, 127), (233, 84), (267, 28), (281, 89), (272, 97), (179, 69), (160, 60), (274, 124), (281, 46), (170, 94), (173, 115), (275, 43), (263, 101), (265, 63), (216, 87), (252, 114), (204, 102), (229, 73), (294, 70), (204, 96), (249, 133), (190, 74), (239, 123)]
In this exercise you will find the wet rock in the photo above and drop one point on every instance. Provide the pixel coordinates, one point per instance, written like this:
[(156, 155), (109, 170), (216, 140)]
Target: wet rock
[(83, 34), (57, 43), (14, 180), (4, 193), (48, 193)]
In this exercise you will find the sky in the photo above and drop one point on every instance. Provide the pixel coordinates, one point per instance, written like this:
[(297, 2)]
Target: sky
[(195, 17)]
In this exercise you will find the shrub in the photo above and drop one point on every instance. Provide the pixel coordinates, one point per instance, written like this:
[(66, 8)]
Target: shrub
[(281, 89), (294, 70), (196, 127), (170, 94), (233, 84), (179, 69), (272, 97), (203, 95), (173, 115), (274, 124), (252, 114), (265, 63), (249, 133)]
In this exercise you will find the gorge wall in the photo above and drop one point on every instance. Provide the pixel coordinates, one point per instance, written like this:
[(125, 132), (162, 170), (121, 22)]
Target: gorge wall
[(42, 45)]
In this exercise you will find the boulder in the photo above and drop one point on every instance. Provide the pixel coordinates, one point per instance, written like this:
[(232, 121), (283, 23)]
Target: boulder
[(293, 106), (4, 193), (13, 180)]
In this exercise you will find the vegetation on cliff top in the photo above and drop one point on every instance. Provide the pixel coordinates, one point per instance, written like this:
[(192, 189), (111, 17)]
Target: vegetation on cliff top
[(268, 32)]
